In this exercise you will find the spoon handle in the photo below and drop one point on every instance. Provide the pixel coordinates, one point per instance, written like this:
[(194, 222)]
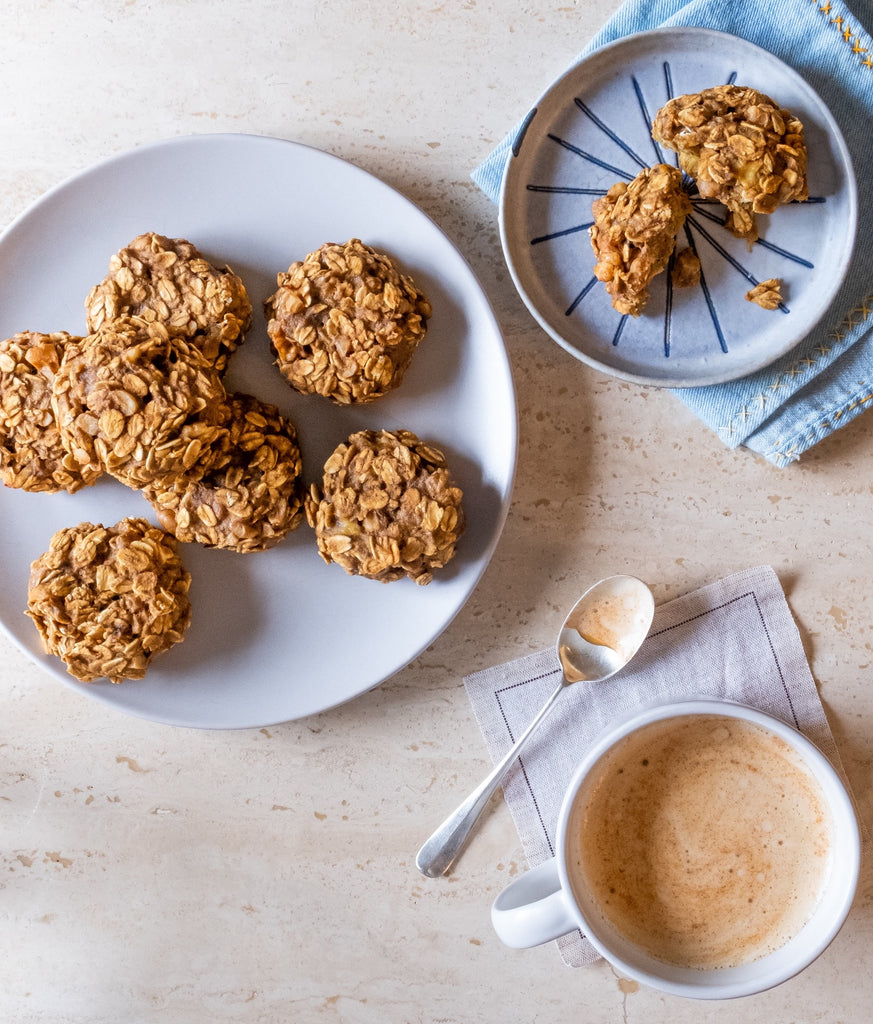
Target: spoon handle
[(440, 851)]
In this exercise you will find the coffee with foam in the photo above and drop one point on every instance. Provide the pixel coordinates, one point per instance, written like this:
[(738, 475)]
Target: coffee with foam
[(703, 839)]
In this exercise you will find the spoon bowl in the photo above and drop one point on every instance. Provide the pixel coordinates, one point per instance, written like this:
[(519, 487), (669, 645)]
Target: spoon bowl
[(604, 629), (601, 634)]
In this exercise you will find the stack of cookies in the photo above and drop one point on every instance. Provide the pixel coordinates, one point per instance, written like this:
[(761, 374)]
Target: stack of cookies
[(142, 398)]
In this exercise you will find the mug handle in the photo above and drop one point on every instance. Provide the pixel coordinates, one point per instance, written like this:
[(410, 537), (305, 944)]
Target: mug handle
[(533, 909)]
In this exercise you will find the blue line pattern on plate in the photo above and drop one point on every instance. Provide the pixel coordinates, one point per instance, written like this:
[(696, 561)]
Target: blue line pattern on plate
[(647, 120), (618, 331), (698, 202), (562, 234), (592, 159), (617, 139), (581, 295), (668, 311), (735, 263), (716, 219), (567, 190), (707, 295)]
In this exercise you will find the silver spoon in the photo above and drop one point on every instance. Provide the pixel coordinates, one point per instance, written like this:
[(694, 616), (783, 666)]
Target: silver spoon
[(601, 634)]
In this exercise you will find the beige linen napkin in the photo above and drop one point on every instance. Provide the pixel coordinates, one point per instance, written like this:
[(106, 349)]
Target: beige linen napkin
[(735, 639)]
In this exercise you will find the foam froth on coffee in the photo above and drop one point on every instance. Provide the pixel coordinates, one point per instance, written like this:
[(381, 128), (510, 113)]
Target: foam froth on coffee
[(704, 839)]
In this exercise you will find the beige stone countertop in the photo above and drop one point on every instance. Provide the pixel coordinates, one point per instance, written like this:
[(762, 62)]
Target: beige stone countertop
[(151, 873)]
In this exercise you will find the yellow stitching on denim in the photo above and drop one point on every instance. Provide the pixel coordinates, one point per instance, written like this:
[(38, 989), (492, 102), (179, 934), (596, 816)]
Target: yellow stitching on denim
[(836, 416), (845, 31), (853, 318)]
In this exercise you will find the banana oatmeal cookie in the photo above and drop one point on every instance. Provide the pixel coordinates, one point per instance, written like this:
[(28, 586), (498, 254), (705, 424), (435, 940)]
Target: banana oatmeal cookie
[(345, 323), (169, 280), (106, 600), (387, 507), (140, 404), (634, 233), (252, 497), (740, 147), (32, 456)]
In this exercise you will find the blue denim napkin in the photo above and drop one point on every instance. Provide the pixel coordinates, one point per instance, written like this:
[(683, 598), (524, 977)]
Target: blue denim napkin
[(827, 380)]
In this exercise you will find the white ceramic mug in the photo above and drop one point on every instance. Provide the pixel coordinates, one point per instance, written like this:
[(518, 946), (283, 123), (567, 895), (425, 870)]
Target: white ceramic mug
[(544, 903)]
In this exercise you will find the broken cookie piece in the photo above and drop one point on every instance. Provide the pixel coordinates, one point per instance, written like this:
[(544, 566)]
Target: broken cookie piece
[(740, 147), (32, 456), (634, 233), (686, 269), (766, 294)]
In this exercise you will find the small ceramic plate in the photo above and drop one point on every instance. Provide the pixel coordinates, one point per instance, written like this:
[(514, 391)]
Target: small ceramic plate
[(591, 129)]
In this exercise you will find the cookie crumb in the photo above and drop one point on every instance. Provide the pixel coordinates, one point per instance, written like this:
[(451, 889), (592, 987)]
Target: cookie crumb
[(767, 294), (686, 269)]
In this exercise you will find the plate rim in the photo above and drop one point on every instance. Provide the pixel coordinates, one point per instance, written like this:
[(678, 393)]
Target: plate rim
[(104, 692), (835, 133)]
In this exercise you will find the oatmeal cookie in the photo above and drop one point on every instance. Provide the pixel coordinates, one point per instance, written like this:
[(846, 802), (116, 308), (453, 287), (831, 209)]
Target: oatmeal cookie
[(634, 233), (387, 507), (252, 497), (106, 600), (138, 403), (167, 279), (740, 147), (32, 456), (345, 323)]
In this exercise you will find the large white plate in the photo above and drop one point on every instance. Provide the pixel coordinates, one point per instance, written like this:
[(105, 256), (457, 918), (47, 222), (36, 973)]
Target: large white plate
[(275, 635), (591, 129)]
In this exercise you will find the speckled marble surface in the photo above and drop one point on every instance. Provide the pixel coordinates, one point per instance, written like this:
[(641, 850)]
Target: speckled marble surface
[(150, 873)]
